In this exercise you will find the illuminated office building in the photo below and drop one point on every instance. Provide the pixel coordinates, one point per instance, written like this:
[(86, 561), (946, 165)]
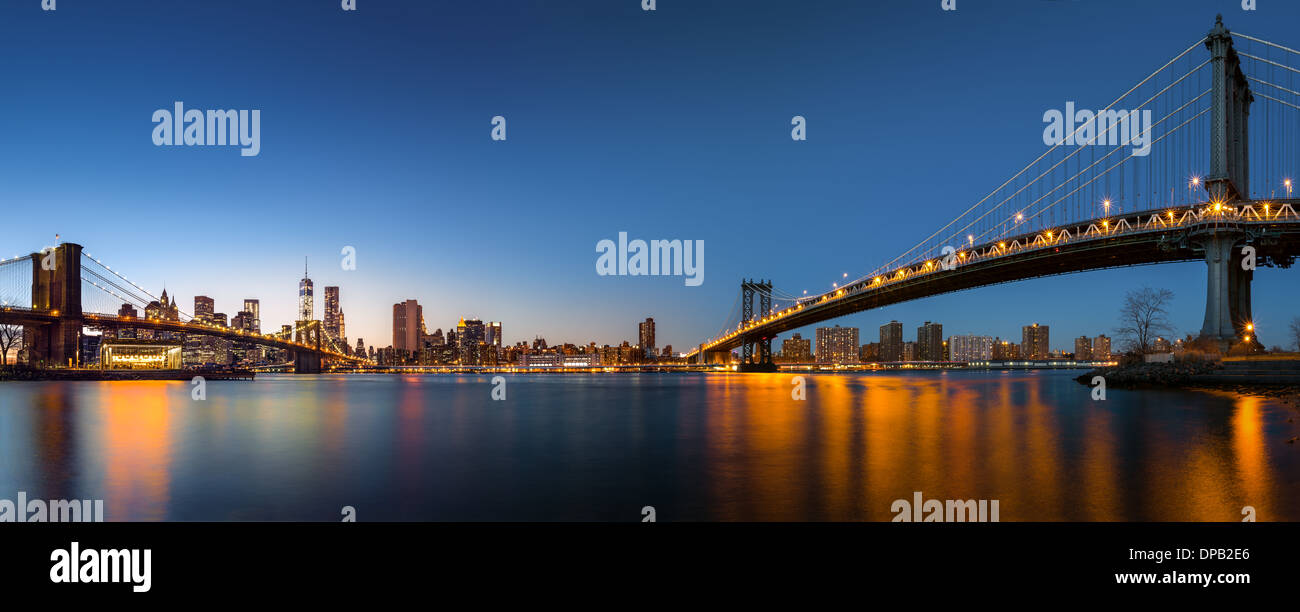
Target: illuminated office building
[(333, 315), (306, 293), (254, 308)]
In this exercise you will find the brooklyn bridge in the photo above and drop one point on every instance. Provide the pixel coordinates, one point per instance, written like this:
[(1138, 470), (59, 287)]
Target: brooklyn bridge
[(70, 290)]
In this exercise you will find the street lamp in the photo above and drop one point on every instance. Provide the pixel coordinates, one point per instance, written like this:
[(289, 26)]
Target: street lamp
[(1287, 184)]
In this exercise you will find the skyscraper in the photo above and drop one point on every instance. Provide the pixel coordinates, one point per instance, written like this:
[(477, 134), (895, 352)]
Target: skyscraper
[(646, 332), (837, 344), (1034, 342), (243, 320), (333, 315), (204, 306), (891, 341), (407, 319), (254, 307), (306, 291), (469, 334), (493, 333), (929, 342)]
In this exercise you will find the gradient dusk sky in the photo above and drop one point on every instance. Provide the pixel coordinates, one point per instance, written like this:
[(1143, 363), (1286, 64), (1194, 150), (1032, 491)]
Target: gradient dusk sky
[(667, 124)]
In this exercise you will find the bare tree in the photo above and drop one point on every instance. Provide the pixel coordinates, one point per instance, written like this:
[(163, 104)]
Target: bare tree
[(1144, 317), (10, 335), (1295, 332)]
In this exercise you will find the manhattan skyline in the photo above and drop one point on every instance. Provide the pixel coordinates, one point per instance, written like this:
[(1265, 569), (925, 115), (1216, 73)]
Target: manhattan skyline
[(653, 132)]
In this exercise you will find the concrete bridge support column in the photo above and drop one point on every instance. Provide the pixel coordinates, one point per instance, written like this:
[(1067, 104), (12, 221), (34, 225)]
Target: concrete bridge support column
[(1224, 292)]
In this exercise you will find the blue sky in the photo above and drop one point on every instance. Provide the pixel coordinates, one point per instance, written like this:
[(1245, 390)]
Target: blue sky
[(671, 124)]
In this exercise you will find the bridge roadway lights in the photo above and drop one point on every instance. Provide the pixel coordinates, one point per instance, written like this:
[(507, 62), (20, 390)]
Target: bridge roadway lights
[(1227, 292)]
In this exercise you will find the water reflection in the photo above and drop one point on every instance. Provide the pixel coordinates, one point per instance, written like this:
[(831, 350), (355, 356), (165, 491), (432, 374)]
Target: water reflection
[(697, 447), (136, 448)]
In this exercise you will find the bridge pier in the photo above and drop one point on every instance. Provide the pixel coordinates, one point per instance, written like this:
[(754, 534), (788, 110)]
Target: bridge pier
[(305, 362), (1227, 289), (716, 357), (758, 367), (1239, 293), (56, 288), (763, 361)]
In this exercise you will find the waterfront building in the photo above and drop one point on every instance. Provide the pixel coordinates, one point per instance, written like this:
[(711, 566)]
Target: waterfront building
[(552, 360), (796, 349), (837, 345), (1004, 350), (139, 355), (1034, 342), (891, 341), (1101, 348), (646, 334), (1082, 348), (929, 342), (970, 347)]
